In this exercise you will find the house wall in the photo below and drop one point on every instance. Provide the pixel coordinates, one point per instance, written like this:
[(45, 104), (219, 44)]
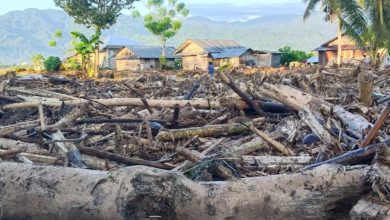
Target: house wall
[(140, 64), (276, 60), (347, 56), (195, 62)]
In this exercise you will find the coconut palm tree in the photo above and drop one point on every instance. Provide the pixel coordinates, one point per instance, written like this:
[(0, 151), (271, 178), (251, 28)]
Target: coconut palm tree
[(333, 13), (339, 11), (373, 30)]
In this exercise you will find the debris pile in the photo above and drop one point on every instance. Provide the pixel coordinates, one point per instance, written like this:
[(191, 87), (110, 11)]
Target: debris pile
[(240, 124)]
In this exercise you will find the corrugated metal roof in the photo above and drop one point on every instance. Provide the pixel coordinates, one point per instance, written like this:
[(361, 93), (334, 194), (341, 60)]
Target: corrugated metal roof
[(344, 47), (229, 52), (216, 46), (151, 52), (119, 42), (312, 60)]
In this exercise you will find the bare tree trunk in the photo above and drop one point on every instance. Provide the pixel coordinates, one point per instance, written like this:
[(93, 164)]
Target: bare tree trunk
[(339, 41), (36, 192), (96, 69)]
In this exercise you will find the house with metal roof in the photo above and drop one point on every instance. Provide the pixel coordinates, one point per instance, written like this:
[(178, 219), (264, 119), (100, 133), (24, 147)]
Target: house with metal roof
[(264, 58), (140, 58), (197, 53), (327, 52), (111, 47)]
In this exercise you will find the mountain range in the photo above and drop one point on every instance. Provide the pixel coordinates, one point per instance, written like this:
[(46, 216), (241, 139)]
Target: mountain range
[(26, 33)]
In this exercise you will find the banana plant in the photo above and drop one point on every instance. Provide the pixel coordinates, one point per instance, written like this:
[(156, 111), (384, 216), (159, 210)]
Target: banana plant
[(84, 47)]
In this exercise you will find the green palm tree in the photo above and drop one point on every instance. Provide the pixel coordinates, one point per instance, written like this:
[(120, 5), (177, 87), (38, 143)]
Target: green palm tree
[(373, 29), (336, 10)]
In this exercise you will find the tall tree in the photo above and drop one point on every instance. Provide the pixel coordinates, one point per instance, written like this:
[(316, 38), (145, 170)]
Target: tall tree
[(341, 11), (99, 14), (373, 30), (164, 20), (333, 13)]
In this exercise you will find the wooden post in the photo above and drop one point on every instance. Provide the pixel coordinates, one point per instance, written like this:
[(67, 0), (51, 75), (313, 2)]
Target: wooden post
[(365, 89)]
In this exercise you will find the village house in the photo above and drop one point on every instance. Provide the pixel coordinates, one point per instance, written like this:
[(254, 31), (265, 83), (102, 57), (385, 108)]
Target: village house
[(110, 48), (140, 58), (263, 58), (197, 53), (327, 53)]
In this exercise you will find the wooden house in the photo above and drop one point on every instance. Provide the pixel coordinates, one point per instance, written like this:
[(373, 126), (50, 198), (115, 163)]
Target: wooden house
[(111, 47), (140, 58), (263, 58), (351, 52), (197, 53)]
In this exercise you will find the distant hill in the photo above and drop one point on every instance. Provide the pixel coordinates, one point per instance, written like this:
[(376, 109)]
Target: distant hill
[(25, 33)]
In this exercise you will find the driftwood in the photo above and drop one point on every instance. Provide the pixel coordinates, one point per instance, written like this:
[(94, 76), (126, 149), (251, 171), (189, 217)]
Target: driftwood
[(141, 193), (206, 131), (153, 103), (7, 130), (293, 98), (377, 126), (368, 208), (121, 159), (276, 161), (358, 124), (244, 97), (355, 155), (275, 144)]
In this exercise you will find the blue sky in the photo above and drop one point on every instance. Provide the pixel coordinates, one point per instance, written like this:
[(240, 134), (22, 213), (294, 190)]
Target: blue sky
[(7, 5)]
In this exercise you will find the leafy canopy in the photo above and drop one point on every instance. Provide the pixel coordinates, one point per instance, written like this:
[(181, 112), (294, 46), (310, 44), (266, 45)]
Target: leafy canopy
[(164, 18), (289, 55), (97, 13)]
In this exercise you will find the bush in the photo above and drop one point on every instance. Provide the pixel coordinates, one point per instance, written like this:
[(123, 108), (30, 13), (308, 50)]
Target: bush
[(72, 64), (289, 55), (52, 64)]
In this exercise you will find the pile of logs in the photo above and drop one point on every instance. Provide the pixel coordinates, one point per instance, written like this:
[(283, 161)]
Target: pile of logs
[(316, 143)]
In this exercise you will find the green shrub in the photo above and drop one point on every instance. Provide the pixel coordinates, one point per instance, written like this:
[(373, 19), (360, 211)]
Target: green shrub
[(289, 55), (52, 64), (72, 65), (19, 69)]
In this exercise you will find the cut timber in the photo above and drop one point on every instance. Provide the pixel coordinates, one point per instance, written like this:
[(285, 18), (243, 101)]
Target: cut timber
[(356, 123), (365, 89), (153, 103), (206, 131), (369, 209), (327, 192)]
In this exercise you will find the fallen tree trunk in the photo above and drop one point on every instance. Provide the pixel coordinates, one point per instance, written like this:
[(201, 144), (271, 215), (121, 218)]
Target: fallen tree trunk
[(142, 193), (206, 131), (153, 103), (357, 123)]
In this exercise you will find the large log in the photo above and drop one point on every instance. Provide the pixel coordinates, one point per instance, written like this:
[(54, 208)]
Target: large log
[(36, 192), (153, 103), (293, 98), (206, 131), (356, 123)]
